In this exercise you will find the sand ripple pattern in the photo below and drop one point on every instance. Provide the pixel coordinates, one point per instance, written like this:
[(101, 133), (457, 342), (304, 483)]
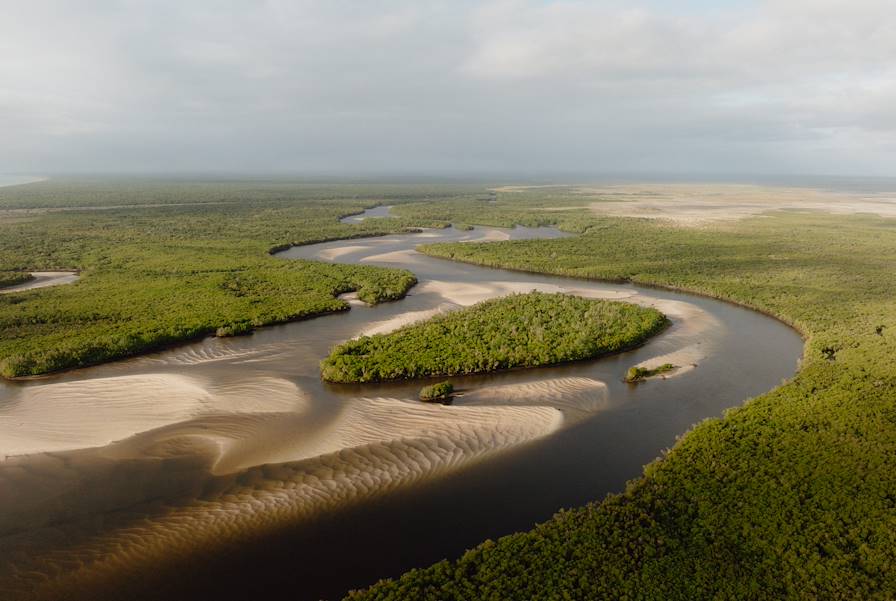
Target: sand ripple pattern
[(102, 476), (367, 452), (575, 397)]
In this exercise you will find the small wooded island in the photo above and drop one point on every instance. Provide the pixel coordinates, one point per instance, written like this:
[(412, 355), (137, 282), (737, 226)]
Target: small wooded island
[(520, 330)]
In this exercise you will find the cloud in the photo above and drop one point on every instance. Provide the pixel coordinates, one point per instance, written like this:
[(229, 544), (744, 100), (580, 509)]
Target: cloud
[(503, 85)]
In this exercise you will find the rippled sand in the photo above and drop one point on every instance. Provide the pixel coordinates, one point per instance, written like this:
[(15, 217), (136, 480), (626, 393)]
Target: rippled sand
[(185, 450), (375, 446)]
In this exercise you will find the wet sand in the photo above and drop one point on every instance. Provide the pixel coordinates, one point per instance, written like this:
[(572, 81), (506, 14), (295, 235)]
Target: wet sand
[(221, 452)]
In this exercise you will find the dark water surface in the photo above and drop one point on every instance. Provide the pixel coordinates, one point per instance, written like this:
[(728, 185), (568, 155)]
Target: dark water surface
[(352, 544)]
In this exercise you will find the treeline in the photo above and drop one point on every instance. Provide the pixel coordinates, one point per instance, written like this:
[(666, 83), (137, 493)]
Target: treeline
[(127, 191), (114, 314), (520, 330), (501, 210), (792, 496), (156, 276)]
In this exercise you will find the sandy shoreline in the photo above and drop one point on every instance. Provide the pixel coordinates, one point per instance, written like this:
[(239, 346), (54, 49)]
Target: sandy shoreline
[(44, 279), (232, 438)]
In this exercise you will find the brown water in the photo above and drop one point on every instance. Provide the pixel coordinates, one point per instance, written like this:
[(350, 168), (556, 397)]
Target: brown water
[(226, 469)]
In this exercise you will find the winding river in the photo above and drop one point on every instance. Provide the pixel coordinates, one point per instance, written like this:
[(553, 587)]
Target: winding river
[(225, 469)]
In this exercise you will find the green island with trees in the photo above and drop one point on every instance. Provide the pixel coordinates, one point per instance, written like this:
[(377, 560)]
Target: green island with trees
[(441, 391), (520, 330), (792, 495), (637, 374)]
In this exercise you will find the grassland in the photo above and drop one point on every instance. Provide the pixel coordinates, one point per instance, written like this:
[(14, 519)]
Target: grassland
[(153, 276), (520, 330), (792, 495)]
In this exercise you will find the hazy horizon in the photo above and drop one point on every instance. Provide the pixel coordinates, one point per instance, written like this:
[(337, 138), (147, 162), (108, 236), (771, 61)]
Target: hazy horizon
[(513, 88)]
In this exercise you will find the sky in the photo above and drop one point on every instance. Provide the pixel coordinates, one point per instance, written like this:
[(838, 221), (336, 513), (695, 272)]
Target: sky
[(418, 87)]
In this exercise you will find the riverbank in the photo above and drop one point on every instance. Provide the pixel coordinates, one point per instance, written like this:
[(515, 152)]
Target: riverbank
[(262, 445), (756, 501)]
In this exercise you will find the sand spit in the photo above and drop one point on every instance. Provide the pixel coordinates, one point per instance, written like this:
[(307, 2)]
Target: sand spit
[(575, 397), (209, 350), (55, 417), (332, 254), (91, 413), (684, 360), (393, 444), (466, 294), (696, 204), (44, 279), (352, 299), (405, 319)]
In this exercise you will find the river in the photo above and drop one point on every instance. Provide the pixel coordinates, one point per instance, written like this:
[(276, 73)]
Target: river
[(225, 469)]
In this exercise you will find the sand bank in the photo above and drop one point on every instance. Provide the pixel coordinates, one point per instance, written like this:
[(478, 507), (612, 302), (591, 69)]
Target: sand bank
[(377, 445), (43, 279), (208, 445), (697, 204)]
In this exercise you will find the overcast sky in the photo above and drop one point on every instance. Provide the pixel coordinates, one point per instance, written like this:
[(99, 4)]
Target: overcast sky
[(516, 86)]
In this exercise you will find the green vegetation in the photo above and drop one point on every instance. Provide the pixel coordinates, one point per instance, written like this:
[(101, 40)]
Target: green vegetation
[(437, 392), (152, 276), (108, 192), (792, 495), (636, 374), (14, 278), (520, 330), (502, 210)]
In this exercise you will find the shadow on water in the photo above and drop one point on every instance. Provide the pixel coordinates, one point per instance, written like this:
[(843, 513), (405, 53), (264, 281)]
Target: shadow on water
[(382, 536)]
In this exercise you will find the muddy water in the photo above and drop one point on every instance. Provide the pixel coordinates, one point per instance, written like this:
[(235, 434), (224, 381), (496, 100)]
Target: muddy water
[(231, 457)]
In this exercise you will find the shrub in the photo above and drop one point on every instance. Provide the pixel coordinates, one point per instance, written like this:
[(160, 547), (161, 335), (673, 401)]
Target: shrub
[(636, 374), (437, 392)]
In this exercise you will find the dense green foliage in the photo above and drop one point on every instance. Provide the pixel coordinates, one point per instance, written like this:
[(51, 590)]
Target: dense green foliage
[(152, 276), (108, 192), (13, 278), (636, 374), (501, 210), (792, 495), (437, 392), (520, 330)]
